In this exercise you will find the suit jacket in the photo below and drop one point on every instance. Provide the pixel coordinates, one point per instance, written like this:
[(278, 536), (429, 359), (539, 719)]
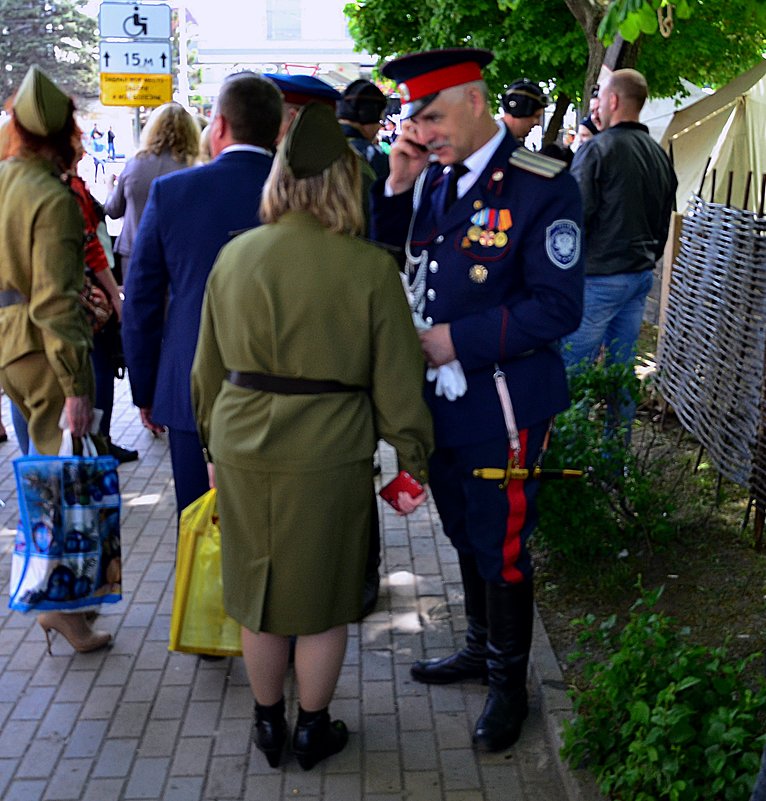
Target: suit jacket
[(190, 215), (505, 270)]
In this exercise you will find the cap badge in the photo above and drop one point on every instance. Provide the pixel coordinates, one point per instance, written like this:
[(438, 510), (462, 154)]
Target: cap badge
[(404, 92)]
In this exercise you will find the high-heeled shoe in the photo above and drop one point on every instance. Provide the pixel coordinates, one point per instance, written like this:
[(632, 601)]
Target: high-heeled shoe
[(270, 731), (317, 737), (75, 629)]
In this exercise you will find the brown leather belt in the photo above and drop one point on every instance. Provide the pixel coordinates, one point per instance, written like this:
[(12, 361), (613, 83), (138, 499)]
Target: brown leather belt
[(11, 297), (281, 385)]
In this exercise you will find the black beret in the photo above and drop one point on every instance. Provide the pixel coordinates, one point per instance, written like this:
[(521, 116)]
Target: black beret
[(361, 102)]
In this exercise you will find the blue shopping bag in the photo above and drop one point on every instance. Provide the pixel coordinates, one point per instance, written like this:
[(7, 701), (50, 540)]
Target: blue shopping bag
[(67, 550)]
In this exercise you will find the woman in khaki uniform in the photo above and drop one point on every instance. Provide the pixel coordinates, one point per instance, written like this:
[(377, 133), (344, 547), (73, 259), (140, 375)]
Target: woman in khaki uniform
[(45, 339), (306, 355)]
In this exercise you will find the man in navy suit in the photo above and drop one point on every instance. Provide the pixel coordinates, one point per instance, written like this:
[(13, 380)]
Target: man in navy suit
[(190, 215), (492, 235)]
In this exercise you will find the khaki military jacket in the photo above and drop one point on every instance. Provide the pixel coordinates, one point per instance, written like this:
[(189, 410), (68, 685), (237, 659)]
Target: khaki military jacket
[(293, 299), (41, 256)]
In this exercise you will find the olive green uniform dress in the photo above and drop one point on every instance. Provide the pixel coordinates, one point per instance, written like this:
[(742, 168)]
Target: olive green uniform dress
[(45, 342), (294, 471)]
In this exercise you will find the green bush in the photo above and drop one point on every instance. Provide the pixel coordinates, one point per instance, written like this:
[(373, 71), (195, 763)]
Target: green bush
[(625, 498), (660, 718)]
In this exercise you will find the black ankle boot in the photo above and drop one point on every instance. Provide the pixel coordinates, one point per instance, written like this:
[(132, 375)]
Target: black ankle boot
[(469, 662), (509, 612), (270, 731), (316, 737)]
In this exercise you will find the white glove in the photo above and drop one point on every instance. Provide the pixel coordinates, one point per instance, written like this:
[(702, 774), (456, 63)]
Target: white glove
[(450, 380)]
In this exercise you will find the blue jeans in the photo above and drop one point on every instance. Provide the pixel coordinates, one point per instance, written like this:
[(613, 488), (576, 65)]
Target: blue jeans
[(612, 315)]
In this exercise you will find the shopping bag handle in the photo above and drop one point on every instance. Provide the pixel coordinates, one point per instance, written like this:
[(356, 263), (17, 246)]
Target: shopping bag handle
[(67, 444)]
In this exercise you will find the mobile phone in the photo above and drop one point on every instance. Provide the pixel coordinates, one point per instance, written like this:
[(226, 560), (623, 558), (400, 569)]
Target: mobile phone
[(404, 482)]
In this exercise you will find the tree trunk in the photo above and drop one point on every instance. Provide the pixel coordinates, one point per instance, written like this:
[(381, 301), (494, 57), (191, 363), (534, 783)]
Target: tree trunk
[(621, 55), (552, 131), (589, 13)]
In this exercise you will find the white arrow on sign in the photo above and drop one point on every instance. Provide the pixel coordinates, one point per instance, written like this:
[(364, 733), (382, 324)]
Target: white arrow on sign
[(134, 21), (145, 58)]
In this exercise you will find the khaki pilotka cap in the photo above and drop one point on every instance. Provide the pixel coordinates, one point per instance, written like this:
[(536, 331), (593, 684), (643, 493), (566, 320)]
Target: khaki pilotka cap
[(40, 106), (314, 142)]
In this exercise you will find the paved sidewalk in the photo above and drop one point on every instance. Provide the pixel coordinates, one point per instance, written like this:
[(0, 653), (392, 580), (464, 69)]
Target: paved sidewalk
[(138, 722)]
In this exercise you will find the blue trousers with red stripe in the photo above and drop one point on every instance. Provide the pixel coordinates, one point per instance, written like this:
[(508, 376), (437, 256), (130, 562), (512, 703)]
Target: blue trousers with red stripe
[(490, 524)]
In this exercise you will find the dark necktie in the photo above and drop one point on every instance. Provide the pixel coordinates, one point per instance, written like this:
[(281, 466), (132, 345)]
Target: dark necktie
[(457, 170)]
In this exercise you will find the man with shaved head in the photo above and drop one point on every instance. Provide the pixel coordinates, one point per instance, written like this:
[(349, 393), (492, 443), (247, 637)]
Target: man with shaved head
[(628, 187)]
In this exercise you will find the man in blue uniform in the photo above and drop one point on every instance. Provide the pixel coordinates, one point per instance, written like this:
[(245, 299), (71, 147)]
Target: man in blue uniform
[(492, 234)]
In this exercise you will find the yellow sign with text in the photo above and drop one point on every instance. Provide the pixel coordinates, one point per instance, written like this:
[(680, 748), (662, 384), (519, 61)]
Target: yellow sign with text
[(118, 89)]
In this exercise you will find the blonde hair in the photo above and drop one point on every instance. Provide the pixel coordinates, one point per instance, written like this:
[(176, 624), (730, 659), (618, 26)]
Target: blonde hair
[(334, 196), (171, 128)]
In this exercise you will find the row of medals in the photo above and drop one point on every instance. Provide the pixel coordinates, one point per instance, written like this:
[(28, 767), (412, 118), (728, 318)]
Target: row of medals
[(487, 238)]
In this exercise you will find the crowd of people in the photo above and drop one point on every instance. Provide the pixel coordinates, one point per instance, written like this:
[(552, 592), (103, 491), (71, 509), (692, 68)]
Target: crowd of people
[(304, 294)]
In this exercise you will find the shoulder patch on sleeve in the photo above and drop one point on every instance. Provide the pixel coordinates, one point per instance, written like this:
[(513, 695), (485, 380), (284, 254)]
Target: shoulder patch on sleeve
[(537, 163), (562, 243)]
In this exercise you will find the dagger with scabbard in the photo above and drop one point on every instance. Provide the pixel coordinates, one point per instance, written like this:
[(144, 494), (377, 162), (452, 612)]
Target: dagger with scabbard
[(521, 473)]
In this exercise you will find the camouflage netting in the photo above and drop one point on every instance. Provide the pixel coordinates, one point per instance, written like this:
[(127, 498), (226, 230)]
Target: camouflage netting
[(711, 364)]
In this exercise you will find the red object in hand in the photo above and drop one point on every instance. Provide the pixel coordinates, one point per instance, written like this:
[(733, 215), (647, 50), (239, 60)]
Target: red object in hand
[(404, 482)]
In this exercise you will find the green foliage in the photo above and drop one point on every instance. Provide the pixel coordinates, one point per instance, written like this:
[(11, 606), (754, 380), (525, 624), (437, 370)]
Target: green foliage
[(712, 40), (631, 18), (624, 500), (660, 718), (710, 48), (522, 40), (57, 36)]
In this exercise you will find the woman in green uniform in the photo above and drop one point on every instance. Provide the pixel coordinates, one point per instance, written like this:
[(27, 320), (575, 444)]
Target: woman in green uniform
[(45, 339), (306, 355)]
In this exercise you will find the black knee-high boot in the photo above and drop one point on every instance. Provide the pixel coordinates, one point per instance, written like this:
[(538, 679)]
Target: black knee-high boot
[(470, 662), (509, 615)]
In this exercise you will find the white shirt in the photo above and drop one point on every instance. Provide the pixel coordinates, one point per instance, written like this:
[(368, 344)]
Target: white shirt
[(250, 148), (477, 162)]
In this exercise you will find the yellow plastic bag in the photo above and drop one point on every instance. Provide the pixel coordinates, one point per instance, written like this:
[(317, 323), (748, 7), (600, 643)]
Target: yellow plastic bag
[(199, 623)]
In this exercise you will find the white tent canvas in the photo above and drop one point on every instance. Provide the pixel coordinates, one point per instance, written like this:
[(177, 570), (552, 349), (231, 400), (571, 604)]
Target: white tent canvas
[(729, 127), (658, 113)]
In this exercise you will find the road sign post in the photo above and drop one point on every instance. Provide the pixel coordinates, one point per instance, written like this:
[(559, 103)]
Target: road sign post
[(135, 56)]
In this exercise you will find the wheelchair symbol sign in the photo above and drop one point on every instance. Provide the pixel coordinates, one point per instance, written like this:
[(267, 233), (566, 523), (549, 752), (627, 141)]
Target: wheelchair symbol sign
[(136, 25), (136, 21)]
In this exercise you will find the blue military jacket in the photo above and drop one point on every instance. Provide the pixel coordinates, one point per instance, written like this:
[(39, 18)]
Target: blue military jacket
[(505, 270)]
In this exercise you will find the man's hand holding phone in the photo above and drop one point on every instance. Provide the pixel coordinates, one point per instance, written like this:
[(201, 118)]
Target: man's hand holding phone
[(407, 160), (404, 493)]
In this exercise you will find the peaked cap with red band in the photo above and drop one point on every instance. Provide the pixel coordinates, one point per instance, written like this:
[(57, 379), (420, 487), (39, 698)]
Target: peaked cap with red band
[(421, 76)]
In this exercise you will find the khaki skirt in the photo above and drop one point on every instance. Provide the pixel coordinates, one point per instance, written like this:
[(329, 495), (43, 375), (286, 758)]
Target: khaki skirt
[(294, 546)]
